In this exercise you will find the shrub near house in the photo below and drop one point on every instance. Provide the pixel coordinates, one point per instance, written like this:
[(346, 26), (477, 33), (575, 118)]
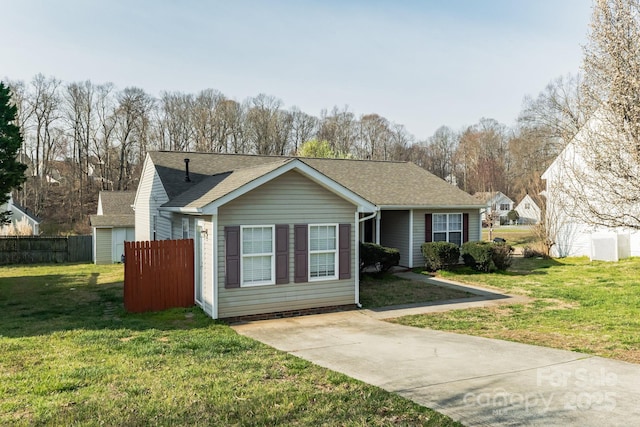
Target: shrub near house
[(486, 256), (380, 257), (439, 255)]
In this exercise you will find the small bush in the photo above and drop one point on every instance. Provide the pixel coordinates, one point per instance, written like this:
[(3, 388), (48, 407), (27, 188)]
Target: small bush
[(487, 256), (381, 257), (439, 255), (501, 255), (529, 252)]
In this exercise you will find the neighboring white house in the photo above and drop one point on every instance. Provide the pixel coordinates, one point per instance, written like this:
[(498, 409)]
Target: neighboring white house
[(23, 222), (113, 224), (497, 206), (566, 214), (528, 211), (276, 234)]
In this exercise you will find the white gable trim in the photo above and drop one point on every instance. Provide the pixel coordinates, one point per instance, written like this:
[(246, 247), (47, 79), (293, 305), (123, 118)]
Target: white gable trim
[(306, 170)]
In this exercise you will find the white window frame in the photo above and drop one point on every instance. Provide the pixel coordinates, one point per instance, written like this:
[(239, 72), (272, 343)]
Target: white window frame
[(448, 231), (503, 208), (272, 254), (334, 251), (185, 221)]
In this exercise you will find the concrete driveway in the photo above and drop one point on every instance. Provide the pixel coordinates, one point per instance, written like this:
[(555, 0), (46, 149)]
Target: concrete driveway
[(477, 381)]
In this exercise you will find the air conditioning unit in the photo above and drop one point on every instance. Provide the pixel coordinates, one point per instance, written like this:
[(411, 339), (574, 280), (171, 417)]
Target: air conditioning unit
[(610, 246)]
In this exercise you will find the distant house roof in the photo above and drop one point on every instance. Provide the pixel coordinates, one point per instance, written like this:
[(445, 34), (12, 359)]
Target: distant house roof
[(385, 184), (24, 211), (117, 209), (117, 202), (487, 196), (27, 212)]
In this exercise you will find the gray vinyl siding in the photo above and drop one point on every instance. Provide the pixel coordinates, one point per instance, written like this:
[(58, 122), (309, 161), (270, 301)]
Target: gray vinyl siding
[(394, 233), (289, 199), (176, 225), (103, 246), (419, 229), (150, 197)]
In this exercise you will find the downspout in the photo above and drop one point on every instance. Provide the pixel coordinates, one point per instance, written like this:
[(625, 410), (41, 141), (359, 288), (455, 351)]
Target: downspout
[(357, 250)]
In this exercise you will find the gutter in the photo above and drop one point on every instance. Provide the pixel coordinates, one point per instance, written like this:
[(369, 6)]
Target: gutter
[(407, 207)]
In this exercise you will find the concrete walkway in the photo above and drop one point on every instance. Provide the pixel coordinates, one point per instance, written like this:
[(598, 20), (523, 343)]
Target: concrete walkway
[(477, 381)]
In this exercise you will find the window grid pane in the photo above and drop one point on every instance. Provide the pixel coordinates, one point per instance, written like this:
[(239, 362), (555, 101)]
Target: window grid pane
[(257, 240), (439, 222), (455, 222), (256, 269), (322, 265), (455, 237), (322, 238)]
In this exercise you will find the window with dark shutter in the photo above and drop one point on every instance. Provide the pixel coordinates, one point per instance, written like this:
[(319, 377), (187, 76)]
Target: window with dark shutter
[(344, 253), (300, 253), (282, 254), (232, 256)]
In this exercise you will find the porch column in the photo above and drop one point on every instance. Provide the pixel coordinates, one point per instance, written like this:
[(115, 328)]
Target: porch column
[(378, 228), (410, 238)]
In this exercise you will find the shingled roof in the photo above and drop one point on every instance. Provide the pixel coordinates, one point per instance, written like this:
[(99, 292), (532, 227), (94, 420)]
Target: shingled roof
[(117, 210), (383, 183)]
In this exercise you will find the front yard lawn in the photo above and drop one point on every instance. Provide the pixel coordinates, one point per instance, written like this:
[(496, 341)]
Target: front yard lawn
[(592, 307), (515, 235), (385, 289), (70, 355)]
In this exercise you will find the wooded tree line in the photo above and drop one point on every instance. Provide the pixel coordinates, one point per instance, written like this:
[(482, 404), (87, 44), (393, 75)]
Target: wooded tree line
[(83, 137)]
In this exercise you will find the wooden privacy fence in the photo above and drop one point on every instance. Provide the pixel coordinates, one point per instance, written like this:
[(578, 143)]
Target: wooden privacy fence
[(158, 275), (43, 249)]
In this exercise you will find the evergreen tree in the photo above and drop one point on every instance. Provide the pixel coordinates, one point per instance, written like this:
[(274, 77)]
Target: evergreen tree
[(11, 170)]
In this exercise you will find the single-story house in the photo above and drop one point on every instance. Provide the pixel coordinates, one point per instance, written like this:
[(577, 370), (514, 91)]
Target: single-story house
[(113, 224), (570, 200), (529, 212), (276, 234), (23, 221), (496, 207)]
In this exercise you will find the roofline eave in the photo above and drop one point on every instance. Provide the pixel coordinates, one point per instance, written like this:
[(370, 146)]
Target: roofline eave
[(181, 209)]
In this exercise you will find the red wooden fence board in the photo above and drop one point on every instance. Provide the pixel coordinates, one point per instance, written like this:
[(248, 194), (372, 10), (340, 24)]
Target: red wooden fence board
[(158, 275)]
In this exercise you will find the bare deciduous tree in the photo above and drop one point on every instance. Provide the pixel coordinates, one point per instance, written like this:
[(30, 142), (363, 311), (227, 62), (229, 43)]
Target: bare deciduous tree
[(602, 165)]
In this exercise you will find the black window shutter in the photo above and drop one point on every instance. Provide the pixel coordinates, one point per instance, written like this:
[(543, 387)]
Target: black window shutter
[(282, 254), (465, 227), (344, 252), (232, 255), (428, 228), (300, 253)]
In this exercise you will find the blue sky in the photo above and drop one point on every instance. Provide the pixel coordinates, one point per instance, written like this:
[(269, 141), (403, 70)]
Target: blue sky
[(423, 64)]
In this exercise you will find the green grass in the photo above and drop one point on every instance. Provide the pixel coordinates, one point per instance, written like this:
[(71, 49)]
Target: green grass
[(382, 290), (515, 235), (70, 355), (592, 307)]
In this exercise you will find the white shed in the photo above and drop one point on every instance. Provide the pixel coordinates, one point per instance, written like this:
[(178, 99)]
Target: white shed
[(112, 225)]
